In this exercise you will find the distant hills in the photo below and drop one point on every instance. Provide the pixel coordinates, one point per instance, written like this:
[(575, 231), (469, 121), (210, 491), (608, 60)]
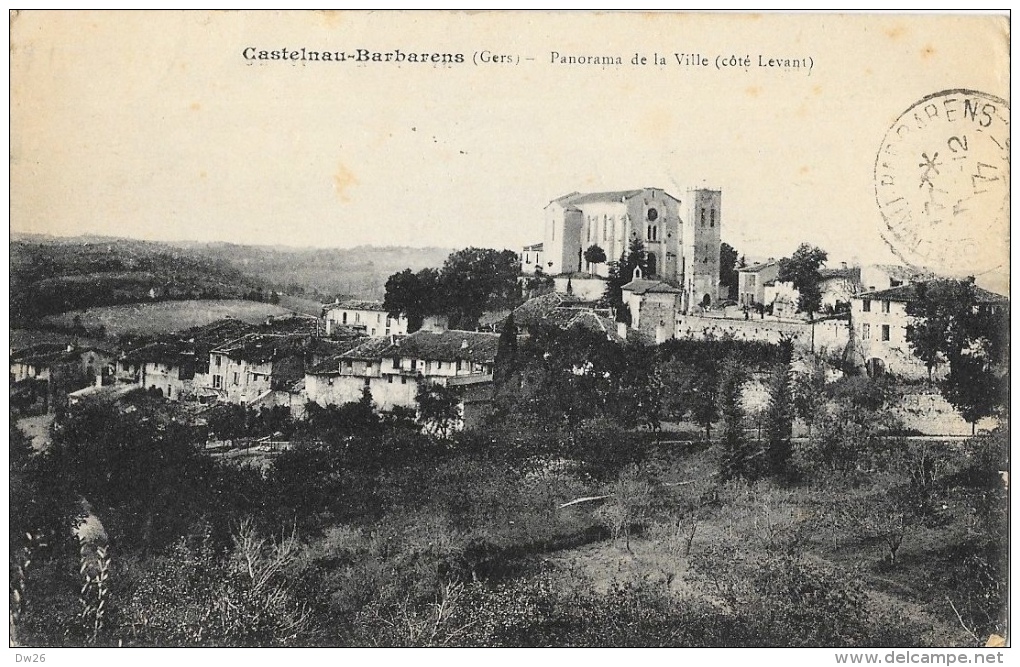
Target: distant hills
[(52, 274)]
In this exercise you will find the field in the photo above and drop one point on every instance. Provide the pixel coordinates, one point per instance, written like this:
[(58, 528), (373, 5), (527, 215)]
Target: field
[(163, 316)]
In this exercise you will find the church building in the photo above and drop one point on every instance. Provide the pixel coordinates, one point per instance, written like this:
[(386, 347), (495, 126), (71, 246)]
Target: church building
[(681, 236)]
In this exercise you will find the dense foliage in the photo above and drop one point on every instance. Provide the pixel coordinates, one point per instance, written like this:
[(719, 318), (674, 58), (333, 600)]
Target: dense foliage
[(470, 282), (571, 520)]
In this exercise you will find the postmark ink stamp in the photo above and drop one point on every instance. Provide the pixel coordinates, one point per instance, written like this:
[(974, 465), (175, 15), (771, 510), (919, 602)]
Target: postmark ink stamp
[(942, 182)]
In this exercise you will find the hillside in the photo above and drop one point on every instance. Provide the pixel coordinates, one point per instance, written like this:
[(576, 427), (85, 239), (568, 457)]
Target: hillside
[(50, 275), (359, 272)]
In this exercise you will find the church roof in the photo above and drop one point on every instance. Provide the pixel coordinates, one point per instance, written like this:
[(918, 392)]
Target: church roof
[(576, 199), (642, 286)]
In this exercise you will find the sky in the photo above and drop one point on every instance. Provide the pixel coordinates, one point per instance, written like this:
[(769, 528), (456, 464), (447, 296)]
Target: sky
[(155, 125)]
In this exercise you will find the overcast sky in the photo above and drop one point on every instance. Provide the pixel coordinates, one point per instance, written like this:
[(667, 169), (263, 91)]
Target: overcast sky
[(155, 126)]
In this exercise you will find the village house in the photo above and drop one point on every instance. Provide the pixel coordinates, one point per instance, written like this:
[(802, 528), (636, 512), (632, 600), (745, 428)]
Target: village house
[(531, 259), (245, 370), (49, 372), (880, 323), (177, 365), (838, 286), (752, 280), (40, 361), (876, 277), (391, 368), (371, 319), (166, 366)]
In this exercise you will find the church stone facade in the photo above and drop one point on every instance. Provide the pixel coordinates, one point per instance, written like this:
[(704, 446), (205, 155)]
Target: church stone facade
[(681, 236)]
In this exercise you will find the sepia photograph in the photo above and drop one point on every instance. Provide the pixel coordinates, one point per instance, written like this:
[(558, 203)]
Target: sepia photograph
[(521, 329)]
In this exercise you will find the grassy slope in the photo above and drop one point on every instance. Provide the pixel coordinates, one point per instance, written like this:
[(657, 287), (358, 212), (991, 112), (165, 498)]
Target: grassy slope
[(164, 316), (744, 515)]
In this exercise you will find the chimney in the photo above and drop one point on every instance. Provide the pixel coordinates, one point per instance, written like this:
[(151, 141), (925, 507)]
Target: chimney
[(621, 330), (842, 265)]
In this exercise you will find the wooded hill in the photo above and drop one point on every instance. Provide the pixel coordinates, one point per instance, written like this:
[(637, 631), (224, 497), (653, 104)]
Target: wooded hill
[(52, 274)]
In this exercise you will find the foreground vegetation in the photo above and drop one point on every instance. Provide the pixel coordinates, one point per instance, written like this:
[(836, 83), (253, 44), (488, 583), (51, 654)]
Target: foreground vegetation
[(569, 523)]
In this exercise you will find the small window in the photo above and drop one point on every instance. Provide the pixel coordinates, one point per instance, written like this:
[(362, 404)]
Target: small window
[(712, 218), (217, 381), (866, 306), (403, 380), (349, 363), (219, 360), (885, 332), (414, 364), (344, 320), (368, 381), (866, 332), (702, 217), (439, 365), (378, 318), (396, 362), (885, 306), (389, 379), (237, 378)]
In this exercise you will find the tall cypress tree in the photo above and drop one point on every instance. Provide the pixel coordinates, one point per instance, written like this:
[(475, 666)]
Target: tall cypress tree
[(506, 353), (736, 455), (778, 427)]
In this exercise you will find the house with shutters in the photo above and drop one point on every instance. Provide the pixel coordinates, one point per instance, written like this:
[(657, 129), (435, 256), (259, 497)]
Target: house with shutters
[(392, 368)]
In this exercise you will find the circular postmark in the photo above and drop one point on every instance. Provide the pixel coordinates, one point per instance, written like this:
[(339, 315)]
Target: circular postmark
[(942, 183)]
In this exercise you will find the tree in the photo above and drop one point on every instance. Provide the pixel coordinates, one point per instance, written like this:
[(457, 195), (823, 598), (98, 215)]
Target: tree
[(595, 255), (413, 295), (943, 321), (809, 392), (438, 407), (630, 500), (948, 325), (973, 388), (778, 422), (506, 354), (801, 269), (736, 454), (622, 272), (728, 275), (474, 280), (691, 389)]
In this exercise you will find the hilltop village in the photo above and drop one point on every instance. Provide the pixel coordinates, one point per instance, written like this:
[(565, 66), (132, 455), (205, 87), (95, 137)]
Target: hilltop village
[(670, 249), (624, 434)]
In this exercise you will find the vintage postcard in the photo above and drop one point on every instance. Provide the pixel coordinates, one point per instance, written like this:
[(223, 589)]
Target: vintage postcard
[(510, 329)]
